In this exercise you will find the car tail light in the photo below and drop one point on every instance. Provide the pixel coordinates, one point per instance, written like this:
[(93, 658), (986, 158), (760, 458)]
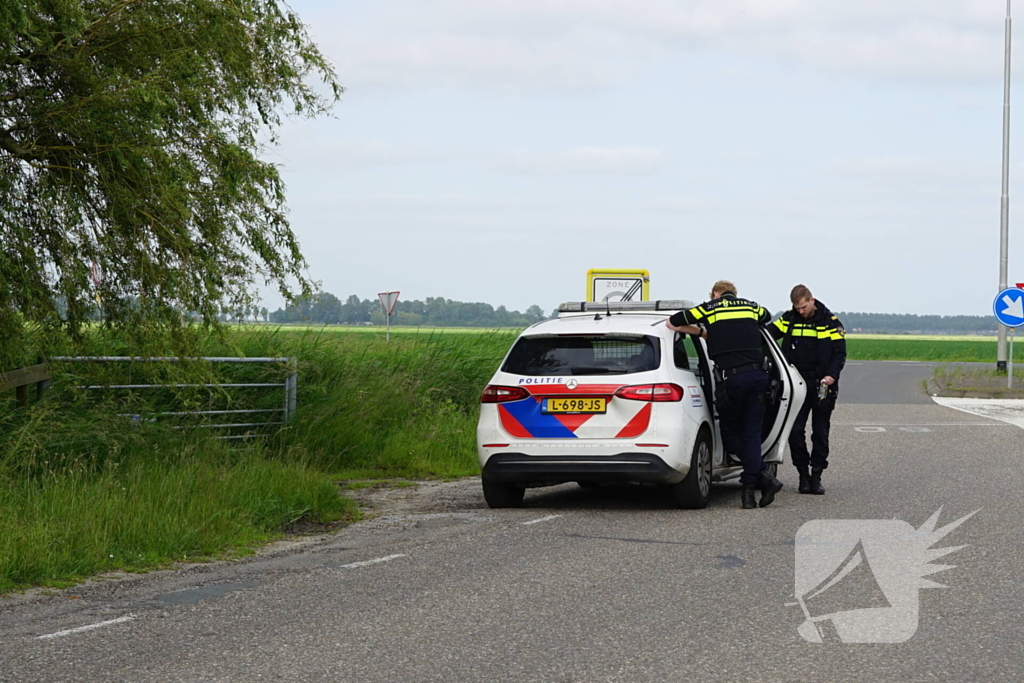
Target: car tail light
[(494, 393), (658, 393)]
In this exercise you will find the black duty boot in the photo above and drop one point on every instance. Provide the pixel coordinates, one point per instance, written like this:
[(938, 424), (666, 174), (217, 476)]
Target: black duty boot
[(748, 496), (814, 485), (805, 480), (769, 487)]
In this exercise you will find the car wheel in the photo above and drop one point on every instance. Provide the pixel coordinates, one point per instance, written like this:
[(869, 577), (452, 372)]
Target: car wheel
[(502, 495), (694, 491)]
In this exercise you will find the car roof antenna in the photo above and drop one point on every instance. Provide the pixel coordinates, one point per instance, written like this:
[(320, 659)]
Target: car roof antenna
[(608, 306)]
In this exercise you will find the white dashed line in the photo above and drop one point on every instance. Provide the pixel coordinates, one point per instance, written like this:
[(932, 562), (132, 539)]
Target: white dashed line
[(89, 627), (542, 519), (922, 424), (353, 565)]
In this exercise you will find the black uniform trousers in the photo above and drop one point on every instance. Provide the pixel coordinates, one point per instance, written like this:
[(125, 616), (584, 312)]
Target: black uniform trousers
[(741, 423), (820, 413)]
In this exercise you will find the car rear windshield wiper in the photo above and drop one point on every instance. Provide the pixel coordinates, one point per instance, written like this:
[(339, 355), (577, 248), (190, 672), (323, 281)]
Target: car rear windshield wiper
[(587, 370)]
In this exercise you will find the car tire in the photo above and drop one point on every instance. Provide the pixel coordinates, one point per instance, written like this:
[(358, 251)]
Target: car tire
[(693, 492), (502, 495)]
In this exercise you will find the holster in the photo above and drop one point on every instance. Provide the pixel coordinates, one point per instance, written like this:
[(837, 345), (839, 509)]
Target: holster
[(723, 401)]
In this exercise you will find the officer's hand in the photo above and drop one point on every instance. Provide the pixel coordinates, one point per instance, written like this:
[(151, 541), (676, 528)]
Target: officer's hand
[(704, 332), (827, 380)]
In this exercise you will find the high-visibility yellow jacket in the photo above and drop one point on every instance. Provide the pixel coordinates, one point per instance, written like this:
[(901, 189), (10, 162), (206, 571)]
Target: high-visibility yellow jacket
[(734, 334), (815, 345)]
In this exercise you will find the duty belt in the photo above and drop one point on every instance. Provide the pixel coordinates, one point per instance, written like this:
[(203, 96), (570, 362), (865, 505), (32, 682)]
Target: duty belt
[(740, 369)]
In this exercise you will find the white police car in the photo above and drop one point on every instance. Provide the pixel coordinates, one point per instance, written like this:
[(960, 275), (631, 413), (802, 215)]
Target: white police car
[(607, 393)]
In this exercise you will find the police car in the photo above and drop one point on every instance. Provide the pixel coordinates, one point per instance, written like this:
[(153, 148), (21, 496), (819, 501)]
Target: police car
[(607, 393)]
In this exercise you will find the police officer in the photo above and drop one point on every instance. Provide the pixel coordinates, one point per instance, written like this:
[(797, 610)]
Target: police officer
[(814, 341), (734, 344)]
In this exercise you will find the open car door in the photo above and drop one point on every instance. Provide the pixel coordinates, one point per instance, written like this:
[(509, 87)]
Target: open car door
[(787, 392)]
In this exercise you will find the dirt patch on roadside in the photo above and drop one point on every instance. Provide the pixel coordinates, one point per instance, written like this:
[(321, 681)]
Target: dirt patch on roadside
[(418, 497)]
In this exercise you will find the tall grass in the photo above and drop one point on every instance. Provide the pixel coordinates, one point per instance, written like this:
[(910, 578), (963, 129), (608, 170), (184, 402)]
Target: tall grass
[(371, 408), (137, 513), (83, 490)]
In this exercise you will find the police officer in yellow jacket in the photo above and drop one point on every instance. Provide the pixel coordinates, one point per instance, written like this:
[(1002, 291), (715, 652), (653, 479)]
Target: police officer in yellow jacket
[(734, 344), (813, 340)]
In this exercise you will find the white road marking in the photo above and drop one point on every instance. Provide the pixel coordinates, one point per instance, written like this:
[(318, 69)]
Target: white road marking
[(869, 430), (88, 627), (1008, 410), (364, 563), (542, 519), (921, 424)]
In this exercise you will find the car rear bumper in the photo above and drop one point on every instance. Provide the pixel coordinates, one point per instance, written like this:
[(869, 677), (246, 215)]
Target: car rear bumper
[(543, 470)]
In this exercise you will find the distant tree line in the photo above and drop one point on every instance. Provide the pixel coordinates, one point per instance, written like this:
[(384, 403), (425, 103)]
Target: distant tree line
[(327, 309), (908, 323)]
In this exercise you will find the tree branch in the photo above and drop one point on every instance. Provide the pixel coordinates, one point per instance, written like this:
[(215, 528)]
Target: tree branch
[(10, 144)]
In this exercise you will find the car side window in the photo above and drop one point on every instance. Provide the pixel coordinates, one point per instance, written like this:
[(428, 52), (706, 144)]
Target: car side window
[(681, 353)]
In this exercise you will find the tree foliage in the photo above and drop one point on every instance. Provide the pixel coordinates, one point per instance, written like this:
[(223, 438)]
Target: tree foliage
[(130, 142)]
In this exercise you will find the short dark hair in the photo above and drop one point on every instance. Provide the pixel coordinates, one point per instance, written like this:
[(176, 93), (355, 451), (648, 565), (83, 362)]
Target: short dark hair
[(799, 293)]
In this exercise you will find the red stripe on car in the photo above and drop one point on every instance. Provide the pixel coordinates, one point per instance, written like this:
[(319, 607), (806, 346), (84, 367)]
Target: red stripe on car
[(638, 425), (512, 425)]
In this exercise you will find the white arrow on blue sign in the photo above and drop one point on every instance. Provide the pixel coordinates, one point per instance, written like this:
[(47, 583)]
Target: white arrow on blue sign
[(1009, 307)]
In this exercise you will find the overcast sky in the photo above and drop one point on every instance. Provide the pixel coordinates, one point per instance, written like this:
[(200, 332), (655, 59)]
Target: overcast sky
[(494, 151)]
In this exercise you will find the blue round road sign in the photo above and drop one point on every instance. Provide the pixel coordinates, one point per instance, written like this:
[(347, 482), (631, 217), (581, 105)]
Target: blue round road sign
[(1009, 307)]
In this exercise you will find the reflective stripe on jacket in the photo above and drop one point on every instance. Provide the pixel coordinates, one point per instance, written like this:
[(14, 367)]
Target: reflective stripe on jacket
[(816, 345), (734, 336)]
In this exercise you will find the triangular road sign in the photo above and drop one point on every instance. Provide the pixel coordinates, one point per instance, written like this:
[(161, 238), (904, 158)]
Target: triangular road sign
[(388, 301)]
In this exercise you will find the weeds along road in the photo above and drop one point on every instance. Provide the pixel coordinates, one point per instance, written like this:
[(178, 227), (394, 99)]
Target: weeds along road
[(610, 585)]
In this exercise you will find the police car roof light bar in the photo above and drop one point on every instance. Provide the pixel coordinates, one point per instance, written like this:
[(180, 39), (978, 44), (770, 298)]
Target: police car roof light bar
[(625, 306)]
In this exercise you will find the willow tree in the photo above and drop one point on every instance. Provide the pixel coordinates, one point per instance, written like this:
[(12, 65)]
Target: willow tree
[(131, 177)]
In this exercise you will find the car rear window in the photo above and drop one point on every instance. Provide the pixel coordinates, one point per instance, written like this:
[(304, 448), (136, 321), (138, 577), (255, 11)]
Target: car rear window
[(577, 355)]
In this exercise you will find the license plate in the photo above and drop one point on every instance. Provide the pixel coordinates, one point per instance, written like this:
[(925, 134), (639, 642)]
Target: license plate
[(574, 405)]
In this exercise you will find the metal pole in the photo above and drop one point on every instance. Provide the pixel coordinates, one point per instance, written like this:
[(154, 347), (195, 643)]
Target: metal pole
[(291, 387), (1004, 214), (1009, 373), (389, 325)]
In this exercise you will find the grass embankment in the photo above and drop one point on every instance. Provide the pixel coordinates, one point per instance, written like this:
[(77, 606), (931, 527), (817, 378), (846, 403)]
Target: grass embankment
[(83, 491)]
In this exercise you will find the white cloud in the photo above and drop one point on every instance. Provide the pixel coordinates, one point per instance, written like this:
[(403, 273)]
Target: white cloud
[(539, 45), (308, 152), (584, 161)]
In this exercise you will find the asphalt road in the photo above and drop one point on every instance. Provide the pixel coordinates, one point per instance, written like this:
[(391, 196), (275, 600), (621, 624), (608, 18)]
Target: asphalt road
[(605, 585)]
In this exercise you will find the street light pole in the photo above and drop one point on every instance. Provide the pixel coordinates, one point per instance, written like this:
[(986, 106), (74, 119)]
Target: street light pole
[(1004, 214)]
